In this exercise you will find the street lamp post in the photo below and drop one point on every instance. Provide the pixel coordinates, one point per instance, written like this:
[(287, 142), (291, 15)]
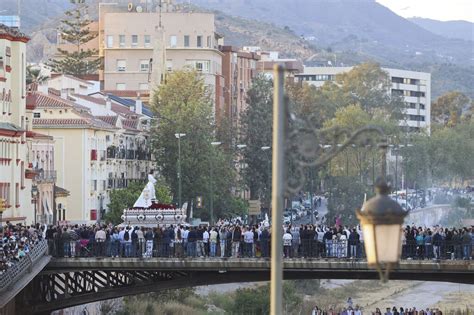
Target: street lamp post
[(179, 136), (34, 194), (211, 184)]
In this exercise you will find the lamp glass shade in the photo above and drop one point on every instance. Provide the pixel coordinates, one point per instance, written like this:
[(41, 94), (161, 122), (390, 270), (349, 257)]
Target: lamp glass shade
[(382, 243)]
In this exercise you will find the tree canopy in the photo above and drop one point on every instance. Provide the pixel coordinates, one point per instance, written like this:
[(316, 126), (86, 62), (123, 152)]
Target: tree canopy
[(75, 30)]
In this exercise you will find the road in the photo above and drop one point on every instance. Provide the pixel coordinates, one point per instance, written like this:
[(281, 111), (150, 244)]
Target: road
[(322, 211)]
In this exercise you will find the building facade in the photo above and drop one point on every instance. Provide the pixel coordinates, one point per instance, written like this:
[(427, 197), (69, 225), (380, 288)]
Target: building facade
[(239, 68), (79, 153), (130, 39), (15, 176), (414, 87)]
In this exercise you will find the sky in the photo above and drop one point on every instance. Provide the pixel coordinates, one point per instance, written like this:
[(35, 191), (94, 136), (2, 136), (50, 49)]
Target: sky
[(443, 10)]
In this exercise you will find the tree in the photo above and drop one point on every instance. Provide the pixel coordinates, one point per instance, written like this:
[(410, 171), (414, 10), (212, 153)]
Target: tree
[(121, 199), (256, 132), (448, 108), (369, 86), (75, 31), (184, 105), (33, 75)]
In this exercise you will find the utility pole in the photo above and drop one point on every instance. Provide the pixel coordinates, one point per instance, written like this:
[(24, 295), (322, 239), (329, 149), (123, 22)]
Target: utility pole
[(278, 190)]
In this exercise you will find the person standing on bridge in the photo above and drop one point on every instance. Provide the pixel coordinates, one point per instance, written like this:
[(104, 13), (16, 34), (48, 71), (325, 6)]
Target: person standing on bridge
[(236, 238), (223, 240)]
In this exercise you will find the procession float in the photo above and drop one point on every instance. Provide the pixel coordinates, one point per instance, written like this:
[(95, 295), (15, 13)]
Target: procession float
[(147, 211)]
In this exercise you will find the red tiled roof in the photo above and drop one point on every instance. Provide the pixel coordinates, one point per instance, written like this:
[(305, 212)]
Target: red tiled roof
[(111, 120), (91, 99), (36, 135), (130, 124), (128, 93), (120, 109), (56, 75), (12, 33), (52, 91), (51, 101)]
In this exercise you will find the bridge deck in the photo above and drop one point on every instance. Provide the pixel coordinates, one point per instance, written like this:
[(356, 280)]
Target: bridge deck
[(445, 270)]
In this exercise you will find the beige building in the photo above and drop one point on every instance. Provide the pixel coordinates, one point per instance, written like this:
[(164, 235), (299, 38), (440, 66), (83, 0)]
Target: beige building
[(79, 153), (15, 176), (139, 47), (414, 87)]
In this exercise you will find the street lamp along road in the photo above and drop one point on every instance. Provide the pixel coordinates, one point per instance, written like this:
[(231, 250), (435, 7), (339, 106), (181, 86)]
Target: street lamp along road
[(211, 199), (179, 136), (381, 219)]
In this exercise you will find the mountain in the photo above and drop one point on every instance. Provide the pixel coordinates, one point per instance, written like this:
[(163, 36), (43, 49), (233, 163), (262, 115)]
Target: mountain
[(34, 12), (364, 26), (450, 29)]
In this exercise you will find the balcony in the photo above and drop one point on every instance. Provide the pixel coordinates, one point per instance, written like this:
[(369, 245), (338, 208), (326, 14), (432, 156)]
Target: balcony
[(45, 176)]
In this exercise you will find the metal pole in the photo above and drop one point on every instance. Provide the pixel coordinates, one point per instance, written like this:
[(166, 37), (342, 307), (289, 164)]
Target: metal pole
[(396, 174), (211, 199), (179, 170), (278, 189)]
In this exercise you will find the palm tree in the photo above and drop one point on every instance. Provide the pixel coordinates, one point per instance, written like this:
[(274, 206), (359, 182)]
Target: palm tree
[(33, 75)]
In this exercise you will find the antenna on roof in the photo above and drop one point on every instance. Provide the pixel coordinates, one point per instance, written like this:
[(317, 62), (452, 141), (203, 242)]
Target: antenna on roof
[(159, 21)]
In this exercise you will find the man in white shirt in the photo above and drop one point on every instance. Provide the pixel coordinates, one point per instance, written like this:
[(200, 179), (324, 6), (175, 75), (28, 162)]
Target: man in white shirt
[(287, 238), (248, 243)]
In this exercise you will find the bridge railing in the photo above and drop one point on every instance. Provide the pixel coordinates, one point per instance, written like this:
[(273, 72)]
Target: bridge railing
[(306, 248), (23, 266)]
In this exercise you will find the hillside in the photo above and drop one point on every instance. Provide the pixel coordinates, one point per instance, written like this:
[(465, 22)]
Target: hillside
[(451, 29), (364, 26)]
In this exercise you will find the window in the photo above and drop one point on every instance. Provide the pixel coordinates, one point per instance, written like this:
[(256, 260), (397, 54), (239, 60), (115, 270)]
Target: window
[(397, 80), (199, 41), (209, 42), (422, 106), (122, 40), (120, 86), (121, 65), (173, 41), (110, 41), (169, 65), (134, 40), (143, 86), (147, 40), (200, 65), (397, 92), (36, 115), (144, 65), (186, 40)]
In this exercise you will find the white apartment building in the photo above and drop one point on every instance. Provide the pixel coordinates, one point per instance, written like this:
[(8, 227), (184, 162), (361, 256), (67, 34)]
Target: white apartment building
[(415, 87)]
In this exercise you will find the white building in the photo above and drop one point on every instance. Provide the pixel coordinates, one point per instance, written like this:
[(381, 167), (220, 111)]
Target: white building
[(415, 87)]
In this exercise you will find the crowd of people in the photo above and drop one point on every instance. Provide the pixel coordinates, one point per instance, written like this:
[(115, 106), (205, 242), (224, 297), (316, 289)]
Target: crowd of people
[(356, 310), (16, 242), (243, 241)]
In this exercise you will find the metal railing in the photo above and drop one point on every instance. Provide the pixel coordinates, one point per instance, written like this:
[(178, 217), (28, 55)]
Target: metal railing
[(12, 274), (308, 249), (45, 176)]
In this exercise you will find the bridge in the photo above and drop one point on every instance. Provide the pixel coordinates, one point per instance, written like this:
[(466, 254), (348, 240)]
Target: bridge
[(66, 282)]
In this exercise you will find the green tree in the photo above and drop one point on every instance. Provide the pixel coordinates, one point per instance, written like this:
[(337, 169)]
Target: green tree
[(369, 86), (121, 199), (183, 105), (75, 31), (256, 132), (448, 108)]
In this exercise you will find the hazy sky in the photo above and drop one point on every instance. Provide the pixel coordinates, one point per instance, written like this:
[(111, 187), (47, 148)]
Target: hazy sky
[(443, 10)]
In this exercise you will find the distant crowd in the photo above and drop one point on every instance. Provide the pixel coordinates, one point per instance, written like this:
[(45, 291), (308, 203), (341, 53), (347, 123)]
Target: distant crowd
[(388, 311), (236, 241), (16, 242)]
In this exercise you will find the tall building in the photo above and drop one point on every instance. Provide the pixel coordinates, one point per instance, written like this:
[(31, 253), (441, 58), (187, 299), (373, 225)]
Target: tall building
[(138, 47), (239, 68), (414, 87), (15, 174), (100, 145)]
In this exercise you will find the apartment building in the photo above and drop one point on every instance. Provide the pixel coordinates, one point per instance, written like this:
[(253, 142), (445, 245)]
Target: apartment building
[(15, 176), (239, 68), (413, 86), (139, 48), (268, 59), (80, 141)]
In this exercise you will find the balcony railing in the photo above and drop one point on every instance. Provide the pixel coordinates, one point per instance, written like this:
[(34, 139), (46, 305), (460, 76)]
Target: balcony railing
[(46, 176)]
